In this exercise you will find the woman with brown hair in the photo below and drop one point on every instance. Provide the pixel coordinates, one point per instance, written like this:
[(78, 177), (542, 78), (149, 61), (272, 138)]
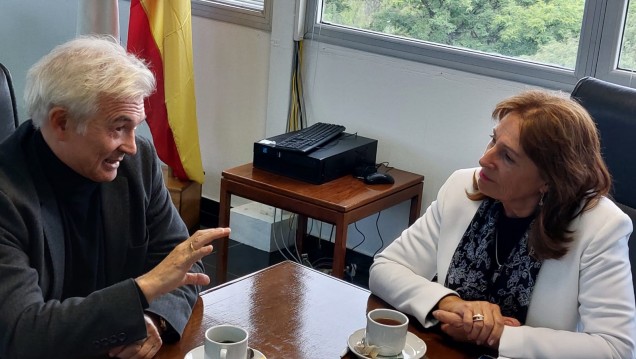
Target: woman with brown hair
[(524, 255)]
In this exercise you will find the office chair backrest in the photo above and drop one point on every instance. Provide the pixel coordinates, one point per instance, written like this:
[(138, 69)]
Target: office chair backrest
[(8, 109), (613, 108)]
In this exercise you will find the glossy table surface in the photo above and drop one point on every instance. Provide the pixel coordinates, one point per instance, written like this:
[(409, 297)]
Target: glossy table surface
[(292, 311)]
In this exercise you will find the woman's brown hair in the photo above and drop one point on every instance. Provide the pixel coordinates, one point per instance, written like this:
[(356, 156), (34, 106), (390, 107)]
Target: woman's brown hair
[(561, 138)]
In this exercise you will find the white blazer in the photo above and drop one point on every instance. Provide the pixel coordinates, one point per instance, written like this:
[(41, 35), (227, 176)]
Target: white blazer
[(582, 305)]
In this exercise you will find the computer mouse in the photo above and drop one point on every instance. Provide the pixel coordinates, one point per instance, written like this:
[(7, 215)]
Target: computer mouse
[(378, 178)]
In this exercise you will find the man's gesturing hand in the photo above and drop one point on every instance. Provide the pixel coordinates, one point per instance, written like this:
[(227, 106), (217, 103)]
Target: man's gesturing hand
[(172, 272)]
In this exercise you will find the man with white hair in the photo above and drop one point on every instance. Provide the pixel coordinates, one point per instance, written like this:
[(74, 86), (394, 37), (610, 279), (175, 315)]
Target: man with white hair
[(94, 258)]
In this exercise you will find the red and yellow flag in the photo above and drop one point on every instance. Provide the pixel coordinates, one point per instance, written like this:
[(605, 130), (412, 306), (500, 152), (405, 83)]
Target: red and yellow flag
[(160, 31)]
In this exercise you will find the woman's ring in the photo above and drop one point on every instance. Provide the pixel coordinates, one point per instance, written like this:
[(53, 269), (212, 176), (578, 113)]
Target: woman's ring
[(478, 318), (192, 247)]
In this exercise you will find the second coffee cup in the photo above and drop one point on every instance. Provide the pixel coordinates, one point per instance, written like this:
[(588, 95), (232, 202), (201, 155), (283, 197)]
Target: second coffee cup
[(226, 342), (387, 329)]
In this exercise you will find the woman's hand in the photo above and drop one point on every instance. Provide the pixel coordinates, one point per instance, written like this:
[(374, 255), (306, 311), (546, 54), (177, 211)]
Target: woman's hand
[(172, 272), (456, 316)]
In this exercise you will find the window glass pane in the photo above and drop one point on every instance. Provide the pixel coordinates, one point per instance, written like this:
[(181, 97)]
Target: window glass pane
[(627, 57), (543, 31)]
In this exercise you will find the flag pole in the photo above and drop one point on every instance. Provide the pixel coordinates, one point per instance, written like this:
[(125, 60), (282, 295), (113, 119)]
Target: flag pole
[(98, 17)]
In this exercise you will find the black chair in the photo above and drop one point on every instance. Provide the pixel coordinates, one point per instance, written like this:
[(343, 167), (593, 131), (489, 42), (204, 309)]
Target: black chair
[(8, 109), (613, 108)]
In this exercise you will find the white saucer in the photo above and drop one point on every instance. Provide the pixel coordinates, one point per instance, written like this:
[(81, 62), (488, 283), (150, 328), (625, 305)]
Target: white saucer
[(414, 348), (198, 353)]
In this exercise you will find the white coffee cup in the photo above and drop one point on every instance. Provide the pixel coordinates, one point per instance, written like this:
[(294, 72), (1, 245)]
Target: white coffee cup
[(386, 329), (225, 342)]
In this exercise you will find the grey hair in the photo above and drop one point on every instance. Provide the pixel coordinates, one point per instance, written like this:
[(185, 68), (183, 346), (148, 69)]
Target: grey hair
[(78, 74)]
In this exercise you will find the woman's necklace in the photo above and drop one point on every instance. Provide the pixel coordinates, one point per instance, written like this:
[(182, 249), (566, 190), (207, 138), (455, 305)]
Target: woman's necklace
[(495, 275), (511, 228), (497, 249)]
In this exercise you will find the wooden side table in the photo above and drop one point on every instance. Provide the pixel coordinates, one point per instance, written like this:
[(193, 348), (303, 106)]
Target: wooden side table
[(186, 196), (340, 202)]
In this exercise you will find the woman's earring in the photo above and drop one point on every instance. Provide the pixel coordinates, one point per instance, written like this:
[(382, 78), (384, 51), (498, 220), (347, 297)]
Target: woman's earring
[(541, 200)]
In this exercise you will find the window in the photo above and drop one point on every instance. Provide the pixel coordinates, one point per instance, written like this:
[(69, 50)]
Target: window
[(549, 43), (627, 56), (253, 13)]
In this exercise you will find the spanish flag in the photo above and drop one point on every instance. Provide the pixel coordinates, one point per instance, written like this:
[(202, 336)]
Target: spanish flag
[(160, 31)]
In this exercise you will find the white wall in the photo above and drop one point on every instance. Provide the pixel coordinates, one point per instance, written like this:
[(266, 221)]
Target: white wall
[(427, 119), (27, 32), (231, 66)]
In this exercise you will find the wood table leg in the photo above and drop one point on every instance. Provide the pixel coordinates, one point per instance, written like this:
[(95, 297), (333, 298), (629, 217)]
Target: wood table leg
[(416, 205), (301, 231), (339, 250)]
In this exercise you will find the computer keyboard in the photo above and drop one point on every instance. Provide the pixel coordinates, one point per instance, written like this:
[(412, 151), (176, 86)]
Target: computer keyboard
[(310, 137)]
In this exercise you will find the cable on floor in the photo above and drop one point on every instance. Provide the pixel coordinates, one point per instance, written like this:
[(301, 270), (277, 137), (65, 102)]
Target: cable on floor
[(280, 250), (286, 239), (355, 225), (379, 234), (293, 218)]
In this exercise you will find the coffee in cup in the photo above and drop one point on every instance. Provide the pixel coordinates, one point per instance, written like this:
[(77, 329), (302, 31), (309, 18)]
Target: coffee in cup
[(225, 342), (387, 329)]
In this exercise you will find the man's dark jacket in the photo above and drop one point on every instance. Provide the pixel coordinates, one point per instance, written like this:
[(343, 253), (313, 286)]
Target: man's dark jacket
[(141, 226)]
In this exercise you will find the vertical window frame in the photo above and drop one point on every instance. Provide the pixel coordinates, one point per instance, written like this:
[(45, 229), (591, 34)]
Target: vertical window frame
[(610, 46)]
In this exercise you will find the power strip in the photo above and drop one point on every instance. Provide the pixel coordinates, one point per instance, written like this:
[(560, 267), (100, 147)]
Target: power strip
[(305, 260), (350, 270)]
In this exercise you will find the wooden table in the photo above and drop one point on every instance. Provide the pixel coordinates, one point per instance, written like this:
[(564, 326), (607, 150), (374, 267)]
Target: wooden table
[(292, 311), (340, 202)]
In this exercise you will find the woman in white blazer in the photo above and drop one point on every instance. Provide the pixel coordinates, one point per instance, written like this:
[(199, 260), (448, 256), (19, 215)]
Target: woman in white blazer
[(524, 255)]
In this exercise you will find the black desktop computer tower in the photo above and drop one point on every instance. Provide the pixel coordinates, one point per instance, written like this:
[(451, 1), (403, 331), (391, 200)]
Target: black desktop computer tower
[(333, 159)]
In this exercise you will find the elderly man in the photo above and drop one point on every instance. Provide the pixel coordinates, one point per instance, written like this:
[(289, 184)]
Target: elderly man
[(94, 258)]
